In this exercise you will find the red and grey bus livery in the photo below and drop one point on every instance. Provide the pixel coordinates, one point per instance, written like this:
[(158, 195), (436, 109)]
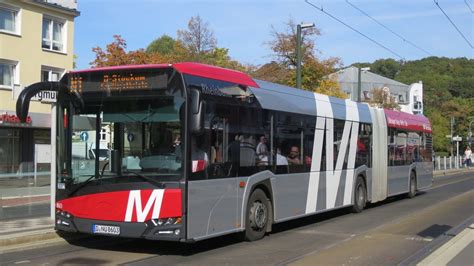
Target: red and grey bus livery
[(197, 151)]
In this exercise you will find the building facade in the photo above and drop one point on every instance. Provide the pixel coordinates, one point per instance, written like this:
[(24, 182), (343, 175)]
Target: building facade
[(409, 97), (36, 44)]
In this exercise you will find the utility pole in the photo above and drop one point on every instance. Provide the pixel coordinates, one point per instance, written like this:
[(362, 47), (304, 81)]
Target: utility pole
[(299, 27)]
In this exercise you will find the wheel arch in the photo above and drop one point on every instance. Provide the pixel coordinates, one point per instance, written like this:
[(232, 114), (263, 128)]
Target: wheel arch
[(261, 181)]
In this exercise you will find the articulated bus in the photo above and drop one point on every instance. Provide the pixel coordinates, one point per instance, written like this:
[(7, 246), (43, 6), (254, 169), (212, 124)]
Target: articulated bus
[(193, 151)]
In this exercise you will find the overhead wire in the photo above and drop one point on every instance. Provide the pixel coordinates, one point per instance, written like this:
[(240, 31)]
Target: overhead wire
[(387, 28), (352, 28), (469, 6), (454, 25)]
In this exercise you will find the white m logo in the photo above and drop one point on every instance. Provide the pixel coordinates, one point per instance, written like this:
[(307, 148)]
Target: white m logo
[(135, 200)]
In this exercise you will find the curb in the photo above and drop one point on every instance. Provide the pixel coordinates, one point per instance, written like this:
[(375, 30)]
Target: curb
[(33, 239), (437, 243), (439, 173)]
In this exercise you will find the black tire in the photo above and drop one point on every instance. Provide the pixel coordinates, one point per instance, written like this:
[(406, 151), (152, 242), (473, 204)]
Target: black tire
[(257, 215), (412, 189), (360, 195)]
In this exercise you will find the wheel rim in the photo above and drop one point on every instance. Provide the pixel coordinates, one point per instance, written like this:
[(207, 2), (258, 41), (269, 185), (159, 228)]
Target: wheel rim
[(412, 185), (258, 216), (360, 196)]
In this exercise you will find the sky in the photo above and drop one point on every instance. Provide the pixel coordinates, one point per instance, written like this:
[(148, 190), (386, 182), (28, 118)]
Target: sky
[(244, 26)]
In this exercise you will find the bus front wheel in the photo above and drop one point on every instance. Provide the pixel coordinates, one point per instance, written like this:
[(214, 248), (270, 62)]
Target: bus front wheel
[(258, 210)]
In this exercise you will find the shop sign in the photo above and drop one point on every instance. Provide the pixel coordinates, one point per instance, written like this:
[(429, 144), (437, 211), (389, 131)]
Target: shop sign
[(6, 118)]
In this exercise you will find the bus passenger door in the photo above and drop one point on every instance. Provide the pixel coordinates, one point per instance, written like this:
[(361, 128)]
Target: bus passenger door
[(213, 206)]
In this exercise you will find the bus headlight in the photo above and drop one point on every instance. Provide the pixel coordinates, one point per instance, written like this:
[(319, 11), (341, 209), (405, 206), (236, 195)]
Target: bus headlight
[(167, 221)]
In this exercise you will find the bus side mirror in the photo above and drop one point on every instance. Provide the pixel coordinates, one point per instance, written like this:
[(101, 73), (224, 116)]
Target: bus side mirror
[(197, 111)]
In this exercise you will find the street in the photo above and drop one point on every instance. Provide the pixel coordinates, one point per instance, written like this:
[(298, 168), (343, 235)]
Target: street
[(384, 234)]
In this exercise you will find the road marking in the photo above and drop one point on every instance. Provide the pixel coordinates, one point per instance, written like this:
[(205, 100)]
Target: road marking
[(417, 238), (22, 261)]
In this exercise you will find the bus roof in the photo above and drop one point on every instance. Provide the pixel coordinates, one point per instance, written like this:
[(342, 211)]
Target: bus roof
[(196, 69)]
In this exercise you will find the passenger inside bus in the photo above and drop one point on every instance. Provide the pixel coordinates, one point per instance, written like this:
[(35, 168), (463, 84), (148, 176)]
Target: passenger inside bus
[(294, 156)]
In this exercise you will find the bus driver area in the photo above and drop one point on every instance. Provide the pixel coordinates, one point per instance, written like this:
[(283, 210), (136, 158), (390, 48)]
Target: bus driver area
[(189, 151)]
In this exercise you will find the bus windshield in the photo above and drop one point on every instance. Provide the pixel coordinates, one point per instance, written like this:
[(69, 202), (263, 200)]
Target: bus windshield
[(148, 130), (121, 138)]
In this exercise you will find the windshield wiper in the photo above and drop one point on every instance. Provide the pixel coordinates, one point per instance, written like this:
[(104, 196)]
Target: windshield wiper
[(146, 178), (81, 185)]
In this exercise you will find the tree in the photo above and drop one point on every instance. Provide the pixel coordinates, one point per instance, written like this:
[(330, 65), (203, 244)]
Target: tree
[(314, 69), (283, 44), (331, 87), (198, 38), (163, 45), (272, 72), (115, 54), (381, 98)]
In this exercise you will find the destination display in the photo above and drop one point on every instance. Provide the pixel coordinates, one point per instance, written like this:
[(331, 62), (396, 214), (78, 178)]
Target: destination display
[(116, 82)]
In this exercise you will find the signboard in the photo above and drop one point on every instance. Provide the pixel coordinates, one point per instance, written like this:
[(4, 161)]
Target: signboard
[(457, 138), (84, 136), (42, 96), (7, 118), (45, 97), (117, 81)]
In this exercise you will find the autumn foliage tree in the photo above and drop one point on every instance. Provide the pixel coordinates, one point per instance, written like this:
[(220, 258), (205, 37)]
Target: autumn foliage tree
[(314, 69), (195, 43)]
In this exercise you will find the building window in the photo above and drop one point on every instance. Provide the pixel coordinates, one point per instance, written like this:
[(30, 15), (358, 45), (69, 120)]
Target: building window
[(8, 72), (51, 74), (53, 35), (9, 19)]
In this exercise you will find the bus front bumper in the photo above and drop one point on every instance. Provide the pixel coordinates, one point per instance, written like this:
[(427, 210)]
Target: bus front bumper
[(146, 230)]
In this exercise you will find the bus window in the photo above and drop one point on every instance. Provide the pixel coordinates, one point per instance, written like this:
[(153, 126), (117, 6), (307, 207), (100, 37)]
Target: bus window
[(289, 136), (364, 145)]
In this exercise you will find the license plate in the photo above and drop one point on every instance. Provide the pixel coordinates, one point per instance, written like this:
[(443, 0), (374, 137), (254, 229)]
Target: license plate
[(106, 229)]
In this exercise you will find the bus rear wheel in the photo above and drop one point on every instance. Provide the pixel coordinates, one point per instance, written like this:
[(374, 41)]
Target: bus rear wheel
[(258, 210), (360, 195)]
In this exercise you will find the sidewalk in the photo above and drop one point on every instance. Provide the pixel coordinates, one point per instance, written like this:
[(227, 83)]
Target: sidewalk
[(15, 234), (19, 233)]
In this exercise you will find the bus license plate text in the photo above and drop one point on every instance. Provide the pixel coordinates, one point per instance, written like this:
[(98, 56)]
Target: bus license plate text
[(106, 229)]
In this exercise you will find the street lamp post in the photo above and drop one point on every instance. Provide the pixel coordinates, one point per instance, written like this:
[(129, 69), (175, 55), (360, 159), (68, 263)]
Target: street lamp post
[(359, 82), (299, 27)]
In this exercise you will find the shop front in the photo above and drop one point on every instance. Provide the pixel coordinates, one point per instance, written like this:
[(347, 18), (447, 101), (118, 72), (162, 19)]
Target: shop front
[(24, 180)]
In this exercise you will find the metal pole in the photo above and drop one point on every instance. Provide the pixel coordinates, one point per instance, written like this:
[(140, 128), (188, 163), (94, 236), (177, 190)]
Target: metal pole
[(452, 125), (457, 153), (359, 84), (298, 56), (53, 160)]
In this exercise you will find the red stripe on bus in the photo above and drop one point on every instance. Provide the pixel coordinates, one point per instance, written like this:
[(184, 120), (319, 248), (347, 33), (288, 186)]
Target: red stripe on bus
[(112, 206), (407, 121)]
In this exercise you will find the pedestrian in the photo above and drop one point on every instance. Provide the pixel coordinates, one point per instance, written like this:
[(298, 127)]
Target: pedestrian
[(468, 157)]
